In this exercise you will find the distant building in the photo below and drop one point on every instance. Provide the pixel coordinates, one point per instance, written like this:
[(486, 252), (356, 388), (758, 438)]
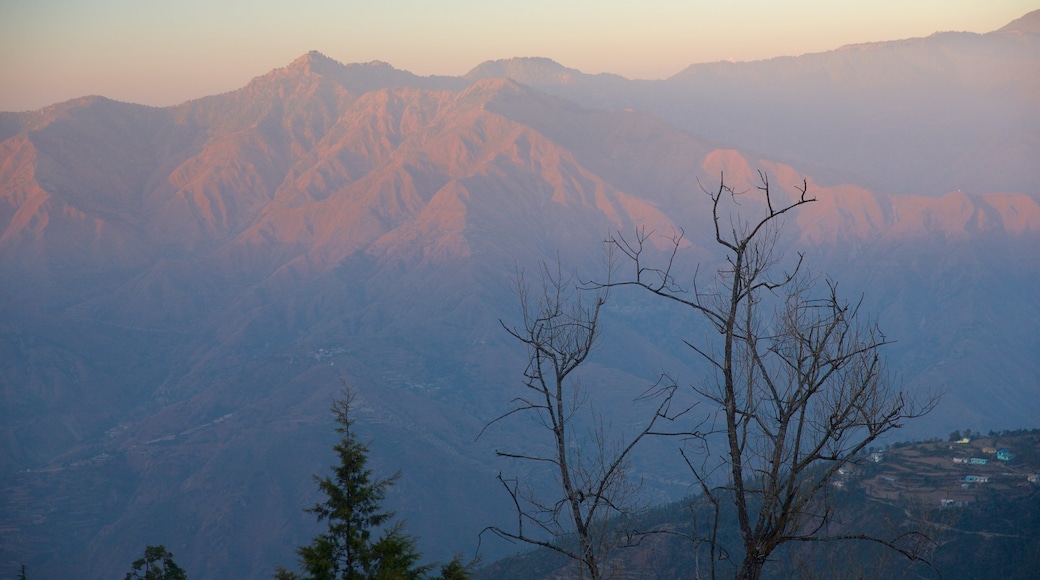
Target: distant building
[(976, 479), (1005, 455), (977, 461), (1033, 477), (960, 460), (989, 449), (876, 457), (963, 441)]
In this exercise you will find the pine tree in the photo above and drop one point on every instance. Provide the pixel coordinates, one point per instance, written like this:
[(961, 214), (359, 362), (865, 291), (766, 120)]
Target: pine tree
[(353, 511), (456, 569), (157, 564)]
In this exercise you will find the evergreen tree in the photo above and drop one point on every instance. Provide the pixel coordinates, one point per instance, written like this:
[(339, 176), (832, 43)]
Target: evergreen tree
[(353, 511), (457, 570), (157, 564)]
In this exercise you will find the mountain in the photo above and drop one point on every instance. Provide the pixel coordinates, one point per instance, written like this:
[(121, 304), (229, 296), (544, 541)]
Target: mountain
[(187, 285), (955, 110), (184, 288), (980, 520), (1028, 24)]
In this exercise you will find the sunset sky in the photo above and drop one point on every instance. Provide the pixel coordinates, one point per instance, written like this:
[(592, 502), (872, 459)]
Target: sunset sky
[(165, 52)]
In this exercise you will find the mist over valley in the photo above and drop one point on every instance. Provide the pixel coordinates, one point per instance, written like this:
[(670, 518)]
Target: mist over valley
[(182, 289)]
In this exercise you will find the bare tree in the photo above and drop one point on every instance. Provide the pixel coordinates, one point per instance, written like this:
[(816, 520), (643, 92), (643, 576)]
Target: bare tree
[(797, 377), (590, 465)]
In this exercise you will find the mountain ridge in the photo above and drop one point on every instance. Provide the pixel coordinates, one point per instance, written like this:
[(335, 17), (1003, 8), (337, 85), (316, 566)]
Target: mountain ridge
[(185, 287), (1030, 23)]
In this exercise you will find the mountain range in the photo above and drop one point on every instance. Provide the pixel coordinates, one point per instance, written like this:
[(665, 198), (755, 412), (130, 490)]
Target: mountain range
[(183, 289)]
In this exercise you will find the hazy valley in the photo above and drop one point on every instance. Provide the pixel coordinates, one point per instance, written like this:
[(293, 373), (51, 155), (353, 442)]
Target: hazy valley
[(182, 288)]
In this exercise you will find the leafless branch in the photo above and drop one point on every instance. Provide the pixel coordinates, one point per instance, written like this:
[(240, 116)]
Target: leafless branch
[(798, 376)]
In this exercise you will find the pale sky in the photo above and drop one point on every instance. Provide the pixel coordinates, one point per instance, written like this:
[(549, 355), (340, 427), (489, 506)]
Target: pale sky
[(163, 52)]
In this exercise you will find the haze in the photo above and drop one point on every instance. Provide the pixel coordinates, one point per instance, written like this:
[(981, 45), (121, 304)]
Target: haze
[(161, 53), (184, 289)]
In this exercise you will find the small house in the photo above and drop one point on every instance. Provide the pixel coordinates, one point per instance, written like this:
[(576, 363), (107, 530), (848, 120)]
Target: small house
[(989, 450), (1005, 455), (976, 479), (977, 461)]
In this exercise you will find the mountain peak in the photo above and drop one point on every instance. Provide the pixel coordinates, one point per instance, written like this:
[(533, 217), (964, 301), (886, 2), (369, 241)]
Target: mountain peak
[(356, 77), (311, 57), (1028, 23), (527, 70), (316, 62)]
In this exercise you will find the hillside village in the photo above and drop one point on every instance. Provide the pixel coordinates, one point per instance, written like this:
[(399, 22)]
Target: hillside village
[(986, 507), (965, 469)]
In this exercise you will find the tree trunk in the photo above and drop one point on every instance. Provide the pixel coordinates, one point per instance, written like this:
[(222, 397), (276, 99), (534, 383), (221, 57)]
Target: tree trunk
[(750, 569)]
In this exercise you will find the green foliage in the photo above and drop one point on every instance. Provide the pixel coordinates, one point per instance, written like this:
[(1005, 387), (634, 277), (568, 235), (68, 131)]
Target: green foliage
[(397, 556), (157, 564), (353, 511), (456, 570)]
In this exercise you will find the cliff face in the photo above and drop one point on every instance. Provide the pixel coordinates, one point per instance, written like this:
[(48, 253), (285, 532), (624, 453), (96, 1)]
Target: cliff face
[(183, 288)]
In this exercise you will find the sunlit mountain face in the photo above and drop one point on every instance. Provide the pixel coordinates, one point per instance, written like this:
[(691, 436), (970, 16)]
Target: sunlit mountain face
[(183, 289)]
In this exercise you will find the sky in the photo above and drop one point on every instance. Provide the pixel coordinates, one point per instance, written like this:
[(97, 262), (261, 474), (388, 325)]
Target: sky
[(163, 52)]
